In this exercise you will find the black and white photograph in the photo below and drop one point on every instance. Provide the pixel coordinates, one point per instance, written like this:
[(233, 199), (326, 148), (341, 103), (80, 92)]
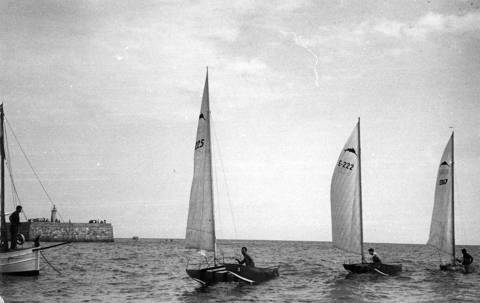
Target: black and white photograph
[(239, 151)]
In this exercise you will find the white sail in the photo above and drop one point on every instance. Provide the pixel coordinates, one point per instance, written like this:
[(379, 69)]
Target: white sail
[(345, 197), (441, 228), (201, 225)]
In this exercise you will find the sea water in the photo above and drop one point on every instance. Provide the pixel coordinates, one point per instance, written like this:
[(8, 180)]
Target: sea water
[(153, 270)]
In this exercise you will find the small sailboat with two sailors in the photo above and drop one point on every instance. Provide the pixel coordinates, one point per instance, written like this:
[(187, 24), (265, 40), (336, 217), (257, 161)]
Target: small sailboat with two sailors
[(346, 208), (200, 233)]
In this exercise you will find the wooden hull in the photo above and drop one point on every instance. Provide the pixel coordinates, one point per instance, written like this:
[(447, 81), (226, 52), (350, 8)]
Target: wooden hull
[(232, 273), (383, 269), (252, 275), (20, 262)]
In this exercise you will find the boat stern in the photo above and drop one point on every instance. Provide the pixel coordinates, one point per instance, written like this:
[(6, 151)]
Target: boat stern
[(209, 275)]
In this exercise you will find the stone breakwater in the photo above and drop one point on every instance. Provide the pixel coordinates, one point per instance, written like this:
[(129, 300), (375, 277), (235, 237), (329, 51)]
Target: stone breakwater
[(59, 232)]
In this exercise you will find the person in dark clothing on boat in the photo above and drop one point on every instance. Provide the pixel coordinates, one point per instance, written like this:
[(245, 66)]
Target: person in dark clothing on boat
[(375, 259), (246, 258), (14, 223), (467, 259)]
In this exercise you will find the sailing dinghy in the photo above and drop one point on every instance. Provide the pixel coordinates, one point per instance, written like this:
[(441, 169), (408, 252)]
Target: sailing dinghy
[(201, 220), (442, 227), (346, 208)]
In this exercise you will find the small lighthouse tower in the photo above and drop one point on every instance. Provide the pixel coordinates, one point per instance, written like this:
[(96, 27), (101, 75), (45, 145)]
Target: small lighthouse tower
[(53, 216)]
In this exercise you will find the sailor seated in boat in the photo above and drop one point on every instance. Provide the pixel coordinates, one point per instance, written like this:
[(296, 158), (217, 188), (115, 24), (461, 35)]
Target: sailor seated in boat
[(246, 258), (467, 259), (375, 259)]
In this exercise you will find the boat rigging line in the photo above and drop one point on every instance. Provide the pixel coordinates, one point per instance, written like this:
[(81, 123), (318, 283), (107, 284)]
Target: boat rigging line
[(224, 176), (15, 197), (31, 166), (53, 267)]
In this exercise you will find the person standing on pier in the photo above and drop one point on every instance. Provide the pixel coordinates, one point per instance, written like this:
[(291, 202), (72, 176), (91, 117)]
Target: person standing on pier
[(14, 224)]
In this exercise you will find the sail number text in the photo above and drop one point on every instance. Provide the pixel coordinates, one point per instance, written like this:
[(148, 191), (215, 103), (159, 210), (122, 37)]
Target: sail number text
[(199, 144), (346, 165)]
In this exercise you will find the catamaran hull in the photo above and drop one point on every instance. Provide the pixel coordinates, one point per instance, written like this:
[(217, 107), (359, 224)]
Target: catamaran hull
[(383, 269), (232, 273), (24, 262)]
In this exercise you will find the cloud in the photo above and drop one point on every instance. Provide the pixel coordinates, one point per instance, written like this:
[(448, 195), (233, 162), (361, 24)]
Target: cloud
[(390, 28), (292, 5), (433, 22), (430, 23), (251, 67), (305, 43)]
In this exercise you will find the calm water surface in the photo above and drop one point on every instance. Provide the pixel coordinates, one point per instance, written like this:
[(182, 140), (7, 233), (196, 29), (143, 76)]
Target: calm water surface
[(154, 271)]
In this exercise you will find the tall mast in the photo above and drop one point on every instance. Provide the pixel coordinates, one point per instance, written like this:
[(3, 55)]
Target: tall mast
[(211, 173), (4, 239), (360, 190), (453, 199)]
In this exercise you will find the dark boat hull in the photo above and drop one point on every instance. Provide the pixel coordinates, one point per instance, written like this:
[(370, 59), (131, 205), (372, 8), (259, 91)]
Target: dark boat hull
[(232, 273), (457, 267), (383, 269), (252, 275)]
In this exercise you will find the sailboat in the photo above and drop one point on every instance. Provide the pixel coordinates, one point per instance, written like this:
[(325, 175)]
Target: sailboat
[(200, 233), (442, 227), (21, 261), (346, 207)]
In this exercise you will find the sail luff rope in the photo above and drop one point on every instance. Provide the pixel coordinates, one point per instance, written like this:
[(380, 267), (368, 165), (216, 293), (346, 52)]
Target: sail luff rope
[(31, 166), (360, 190), (215, 180), (460, 225), (453, 198)]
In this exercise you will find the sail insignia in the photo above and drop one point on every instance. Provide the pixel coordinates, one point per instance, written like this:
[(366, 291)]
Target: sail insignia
[(351, 149)]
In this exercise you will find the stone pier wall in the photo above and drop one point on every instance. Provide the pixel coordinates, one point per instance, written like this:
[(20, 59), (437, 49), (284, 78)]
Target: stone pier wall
[(75, 232)]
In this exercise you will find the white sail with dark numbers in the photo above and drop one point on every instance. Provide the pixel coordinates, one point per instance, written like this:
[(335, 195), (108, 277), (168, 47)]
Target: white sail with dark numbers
[(442, 228), (345, 197), (201, 224)]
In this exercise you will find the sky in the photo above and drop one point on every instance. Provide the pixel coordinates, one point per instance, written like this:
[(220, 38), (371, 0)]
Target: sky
[(104, 98)]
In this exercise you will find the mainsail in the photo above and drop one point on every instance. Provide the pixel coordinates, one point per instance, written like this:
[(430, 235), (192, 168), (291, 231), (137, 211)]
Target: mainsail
[(345, 197), (442, 234), (201, 224)]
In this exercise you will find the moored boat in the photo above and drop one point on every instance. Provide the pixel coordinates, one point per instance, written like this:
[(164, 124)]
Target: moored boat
[(20, 262), (17, 261)]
